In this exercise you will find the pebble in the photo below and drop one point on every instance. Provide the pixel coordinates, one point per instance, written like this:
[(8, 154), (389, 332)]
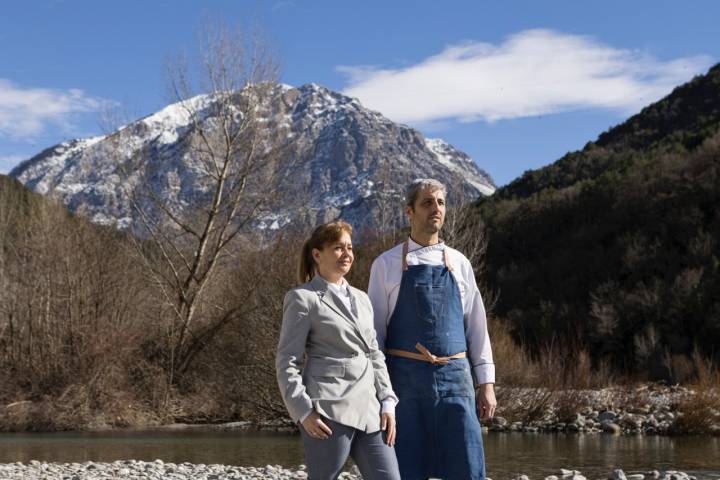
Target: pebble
[(618, 475), (607, 415), (568, 473), (157, 470)]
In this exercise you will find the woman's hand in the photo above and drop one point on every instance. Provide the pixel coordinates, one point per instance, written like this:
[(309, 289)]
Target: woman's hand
[(387, 424), (486, 402), (315, 427)]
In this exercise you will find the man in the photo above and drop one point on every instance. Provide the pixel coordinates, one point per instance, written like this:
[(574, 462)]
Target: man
[(431, 321)]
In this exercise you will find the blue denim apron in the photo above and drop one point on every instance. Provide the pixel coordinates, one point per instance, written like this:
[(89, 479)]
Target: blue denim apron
[(438, 432)]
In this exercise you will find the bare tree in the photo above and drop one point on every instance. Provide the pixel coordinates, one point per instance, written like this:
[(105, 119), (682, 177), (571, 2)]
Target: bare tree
[(388, 212), (460, 232), (464, 231), (235, 150)]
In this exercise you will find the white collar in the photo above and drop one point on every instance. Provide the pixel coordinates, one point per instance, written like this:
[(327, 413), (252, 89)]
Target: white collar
[(341, 289), (417, 249)]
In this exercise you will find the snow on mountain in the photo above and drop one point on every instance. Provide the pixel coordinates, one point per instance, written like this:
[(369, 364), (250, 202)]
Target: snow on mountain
[(459, 162), (350, 160)]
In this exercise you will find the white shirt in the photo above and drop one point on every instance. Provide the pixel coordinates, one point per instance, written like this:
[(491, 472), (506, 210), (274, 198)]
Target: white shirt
[(385, 277), (343, 293)]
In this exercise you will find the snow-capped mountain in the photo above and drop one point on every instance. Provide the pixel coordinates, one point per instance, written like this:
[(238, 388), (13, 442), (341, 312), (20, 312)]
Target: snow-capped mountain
[(352, 162)]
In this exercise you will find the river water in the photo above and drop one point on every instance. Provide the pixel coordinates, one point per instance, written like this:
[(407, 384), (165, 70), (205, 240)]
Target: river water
[(507, 454)]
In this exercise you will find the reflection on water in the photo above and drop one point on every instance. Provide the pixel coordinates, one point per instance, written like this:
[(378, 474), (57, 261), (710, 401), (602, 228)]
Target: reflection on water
[(597, 455), (234, 448), (508, 454)]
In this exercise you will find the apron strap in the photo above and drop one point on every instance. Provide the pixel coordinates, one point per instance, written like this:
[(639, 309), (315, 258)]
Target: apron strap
[(447, 259), (405, 247), (404, 255), (425, 355)]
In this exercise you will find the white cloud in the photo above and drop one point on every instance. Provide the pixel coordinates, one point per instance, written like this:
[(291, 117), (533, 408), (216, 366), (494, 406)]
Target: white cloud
[(533, 72), (27, 112), (8, 162)]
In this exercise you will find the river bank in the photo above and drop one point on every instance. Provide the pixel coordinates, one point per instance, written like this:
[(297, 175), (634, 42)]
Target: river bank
[(648, 409), (133, 469)]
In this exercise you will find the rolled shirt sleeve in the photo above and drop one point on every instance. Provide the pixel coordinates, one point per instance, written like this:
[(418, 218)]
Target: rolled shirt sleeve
[(476, 331)]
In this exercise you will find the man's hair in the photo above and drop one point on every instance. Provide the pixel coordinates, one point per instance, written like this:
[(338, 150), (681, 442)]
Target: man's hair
[(418, 185)]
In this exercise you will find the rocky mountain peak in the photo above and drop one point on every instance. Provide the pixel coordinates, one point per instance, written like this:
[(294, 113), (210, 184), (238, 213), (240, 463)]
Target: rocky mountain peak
[(351, 162)]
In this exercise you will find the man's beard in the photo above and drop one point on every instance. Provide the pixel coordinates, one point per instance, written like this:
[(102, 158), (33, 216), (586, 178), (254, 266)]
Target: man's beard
[(433, 228)]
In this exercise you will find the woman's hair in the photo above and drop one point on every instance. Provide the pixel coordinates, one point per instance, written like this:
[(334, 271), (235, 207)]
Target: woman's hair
[(321, 236)]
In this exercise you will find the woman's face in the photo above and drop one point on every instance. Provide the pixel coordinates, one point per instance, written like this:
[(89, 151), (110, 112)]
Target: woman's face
[(335, 258)]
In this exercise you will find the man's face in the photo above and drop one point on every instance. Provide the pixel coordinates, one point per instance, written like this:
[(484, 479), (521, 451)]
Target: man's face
[(428, 213)]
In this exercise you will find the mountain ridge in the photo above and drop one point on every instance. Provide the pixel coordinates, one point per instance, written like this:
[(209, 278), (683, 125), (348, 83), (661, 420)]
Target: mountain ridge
[(348, 153), (685, 116)]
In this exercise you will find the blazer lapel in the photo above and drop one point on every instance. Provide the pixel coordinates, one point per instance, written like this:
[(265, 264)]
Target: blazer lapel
[(331, 295), (329, 298), (360, 305)]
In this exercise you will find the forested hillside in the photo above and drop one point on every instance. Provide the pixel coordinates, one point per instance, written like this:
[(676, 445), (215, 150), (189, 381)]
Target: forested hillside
[(614, 248)]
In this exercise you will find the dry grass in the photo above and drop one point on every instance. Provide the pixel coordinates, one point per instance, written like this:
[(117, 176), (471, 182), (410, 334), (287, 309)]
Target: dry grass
[(699, 411), (554, 367), (514, 366), (568, 403), (523, 404)]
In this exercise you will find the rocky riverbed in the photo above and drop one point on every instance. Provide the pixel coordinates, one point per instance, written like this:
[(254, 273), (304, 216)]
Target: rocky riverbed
[(159, 470), (647, 409)]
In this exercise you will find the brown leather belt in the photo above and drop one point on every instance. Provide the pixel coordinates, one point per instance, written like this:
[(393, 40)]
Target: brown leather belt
[(424, 355)]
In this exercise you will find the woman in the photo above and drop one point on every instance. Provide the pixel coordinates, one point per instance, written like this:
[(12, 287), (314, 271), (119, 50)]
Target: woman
[(331, 374)]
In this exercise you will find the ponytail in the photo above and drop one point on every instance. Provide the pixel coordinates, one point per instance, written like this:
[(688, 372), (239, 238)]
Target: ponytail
[(306, 267)]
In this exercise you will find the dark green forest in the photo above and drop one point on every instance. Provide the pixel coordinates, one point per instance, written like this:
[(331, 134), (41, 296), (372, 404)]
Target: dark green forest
[(614, 248)]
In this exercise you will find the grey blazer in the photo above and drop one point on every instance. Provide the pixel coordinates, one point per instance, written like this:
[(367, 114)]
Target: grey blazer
[(328, 359)]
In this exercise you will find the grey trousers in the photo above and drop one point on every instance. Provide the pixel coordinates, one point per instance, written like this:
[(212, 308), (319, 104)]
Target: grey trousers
[(325, 458)]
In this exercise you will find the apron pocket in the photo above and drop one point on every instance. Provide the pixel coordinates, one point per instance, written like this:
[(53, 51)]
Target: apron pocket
[(429, 300), (454, 379)]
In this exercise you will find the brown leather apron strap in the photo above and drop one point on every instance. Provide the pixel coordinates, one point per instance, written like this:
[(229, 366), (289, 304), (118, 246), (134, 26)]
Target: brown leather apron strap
[(447, 259), (404, 255), (424, 355)]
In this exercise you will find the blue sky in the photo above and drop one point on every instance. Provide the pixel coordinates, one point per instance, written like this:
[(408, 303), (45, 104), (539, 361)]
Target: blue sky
[(513, 84)]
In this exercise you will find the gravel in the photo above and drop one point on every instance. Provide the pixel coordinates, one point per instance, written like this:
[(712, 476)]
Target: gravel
[(133, 469)]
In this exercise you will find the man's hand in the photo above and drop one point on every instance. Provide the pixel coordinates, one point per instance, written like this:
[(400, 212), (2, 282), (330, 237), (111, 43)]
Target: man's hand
[(387, 425), (486, 402), (315, 427)]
